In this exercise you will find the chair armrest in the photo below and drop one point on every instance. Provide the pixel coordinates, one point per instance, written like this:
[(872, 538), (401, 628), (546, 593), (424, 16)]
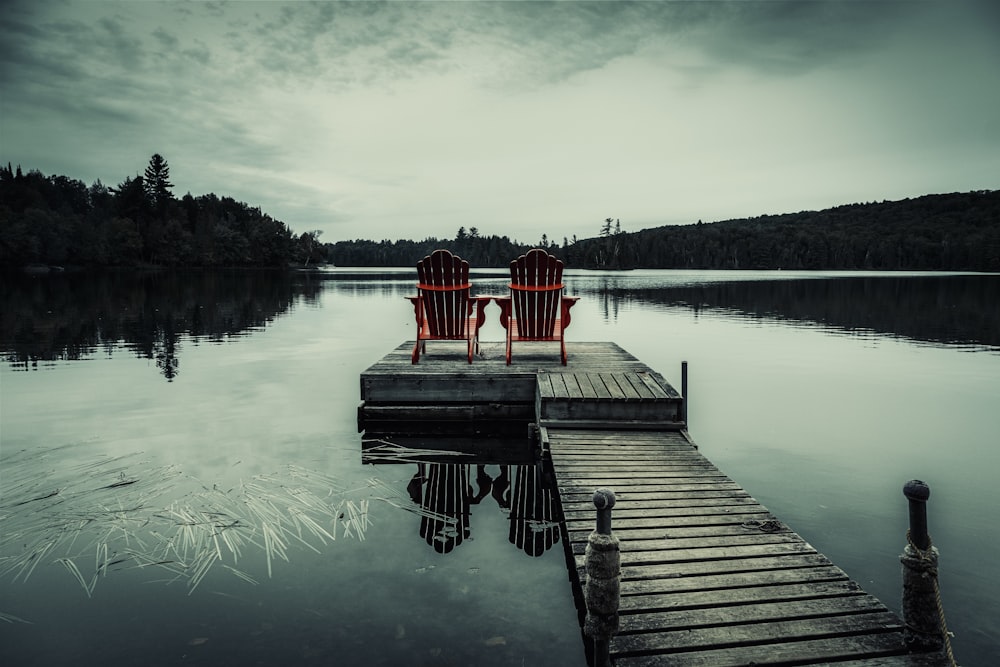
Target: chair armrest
[(418, 311), (567, 303), (505, 304), (480, 304)]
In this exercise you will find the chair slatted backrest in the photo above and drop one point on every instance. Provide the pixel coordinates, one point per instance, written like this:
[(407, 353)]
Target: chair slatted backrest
[(536, 291), (445, 288)]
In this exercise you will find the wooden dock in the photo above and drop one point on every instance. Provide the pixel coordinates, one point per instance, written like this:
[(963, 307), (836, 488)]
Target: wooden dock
[(709, 576), (603, 384)]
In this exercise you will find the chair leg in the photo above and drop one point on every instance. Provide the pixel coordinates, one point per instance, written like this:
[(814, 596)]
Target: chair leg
[(415, 357)]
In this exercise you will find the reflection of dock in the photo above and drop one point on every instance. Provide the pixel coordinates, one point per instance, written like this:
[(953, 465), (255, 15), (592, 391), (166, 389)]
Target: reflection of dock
[(709, 576)]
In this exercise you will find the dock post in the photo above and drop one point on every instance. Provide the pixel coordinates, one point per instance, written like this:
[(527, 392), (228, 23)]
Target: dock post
[(923, 614), (603, 566), (684, 393)]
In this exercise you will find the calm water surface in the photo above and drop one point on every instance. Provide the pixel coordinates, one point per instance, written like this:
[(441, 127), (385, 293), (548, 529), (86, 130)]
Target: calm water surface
[(151, 424)]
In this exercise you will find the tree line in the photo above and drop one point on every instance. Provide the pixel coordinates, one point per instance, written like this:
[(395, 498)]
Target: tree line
[(958, 232), (56, 220), (478, 250), (946, 232)]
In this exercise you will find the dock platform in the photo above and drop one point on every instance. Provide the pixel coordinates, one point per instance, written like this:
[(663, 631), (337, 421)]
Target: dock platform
[(709, 576), (603, 384)]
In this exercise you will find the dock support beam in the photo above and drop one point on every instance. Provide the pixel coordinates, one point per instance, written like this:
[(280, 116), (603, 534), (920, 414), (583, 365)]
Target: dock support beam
[(602, 589), (922, 610), (684, 393)]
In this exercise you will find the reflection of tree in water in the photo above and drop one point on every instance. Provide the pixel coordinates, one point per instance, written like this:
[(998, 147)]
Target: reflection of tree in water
[(445, 493), (72, 316), (947, 309)]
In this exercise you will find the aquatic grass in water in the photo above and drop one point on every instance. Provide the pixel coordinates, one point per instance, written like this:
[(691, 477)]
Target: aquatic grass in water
[(106, 512)]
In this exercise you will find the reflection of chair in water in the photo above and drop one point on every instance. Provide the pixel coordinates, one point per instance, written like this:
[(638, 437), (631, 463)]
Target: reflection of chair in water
[(536, 309), (445, 495), (444, 306), (533, 525), (443, 491)]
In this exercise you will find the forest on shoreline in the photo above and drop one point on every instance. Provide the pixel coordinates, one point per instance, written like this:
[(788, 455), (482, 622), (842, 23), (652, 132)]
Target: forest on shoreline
[(58, 221), (949, 232)]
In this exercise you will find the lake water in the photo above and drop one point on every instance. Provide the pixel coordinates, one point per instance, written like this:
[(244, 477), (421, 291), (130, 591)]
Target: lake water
[(177, 450)]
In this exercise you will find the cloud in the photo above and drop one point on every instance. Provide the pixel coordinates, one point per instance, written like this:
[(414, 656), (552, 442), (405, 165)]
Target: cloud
[(167, 40), (382, 118)]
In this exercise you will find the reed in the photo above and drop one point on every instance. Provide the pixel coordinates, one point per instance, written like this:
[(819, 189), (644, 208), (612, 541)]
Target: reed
[(121, 512)]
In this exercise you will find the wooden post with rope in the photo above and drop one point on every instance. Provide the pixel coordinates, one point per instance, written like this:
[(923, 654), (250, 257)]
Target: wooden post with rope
[(603, 565), (923, 613)]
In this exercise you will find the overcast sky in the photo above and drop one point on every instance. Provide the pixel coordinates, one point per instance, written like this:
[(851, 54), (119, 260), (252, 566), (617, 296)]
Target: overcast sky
[(407, 120)]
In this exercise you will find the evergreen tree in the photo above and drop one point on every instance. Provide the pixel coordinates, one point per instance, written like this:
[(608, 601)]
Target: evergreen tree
[(157, 181)]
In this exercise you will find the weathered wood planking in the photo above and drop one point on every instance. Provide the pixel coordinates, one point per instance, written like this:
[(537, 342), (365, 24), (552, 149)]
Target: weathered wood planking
[(604, 382), (636, 396), (709, 576)]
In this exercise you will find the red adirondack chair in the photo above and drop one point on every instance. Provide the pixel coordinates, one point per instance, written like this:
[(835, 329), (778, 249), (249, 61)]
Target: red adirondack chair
[(536, 309), (444, 307)]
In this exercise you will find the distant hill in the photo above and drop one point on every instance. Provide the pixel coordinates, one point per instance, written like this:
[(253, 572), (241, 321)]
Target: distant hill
[(56, 220), (959, 231)]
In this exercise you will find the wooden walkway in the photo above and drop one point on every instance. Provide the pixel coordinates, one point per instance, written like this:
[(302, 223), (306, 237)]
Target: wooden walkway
[(709, 576)]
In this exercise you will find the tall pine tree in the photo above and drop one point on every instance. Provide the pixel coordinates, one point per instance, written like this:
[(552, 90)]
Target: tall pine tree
[(157, 181)]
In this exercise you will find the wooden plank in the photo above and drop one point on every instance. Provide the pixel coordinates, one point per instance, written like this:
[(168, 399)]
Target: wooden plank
[(771, 610), (638, 386), (712, 485), (587, 390), (634, 469), (697, 541), (660, 421), (455, 412), (653, 386), (871, 648), (678, 529), (731, 490), (583, 508), (914, 660), (597, 480), (559, 390), (600, 388), (638, 518), (768, 633), (611, 385), (573, 390), (707, 484), (628, 391), (545, 390), (718, 555), (654, 589), (699, 568), (722, 598), (581, 529)]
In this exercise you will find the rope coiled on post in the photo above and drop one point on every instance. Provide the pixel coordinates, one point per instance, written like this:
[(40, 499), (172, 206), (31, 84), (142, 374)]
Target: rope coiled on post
[(922, 554)]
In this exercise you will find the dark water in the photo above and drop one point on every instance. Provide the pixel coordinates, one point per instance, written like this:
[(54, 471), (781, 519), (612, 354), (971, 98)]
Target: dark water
[(170, 417)]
